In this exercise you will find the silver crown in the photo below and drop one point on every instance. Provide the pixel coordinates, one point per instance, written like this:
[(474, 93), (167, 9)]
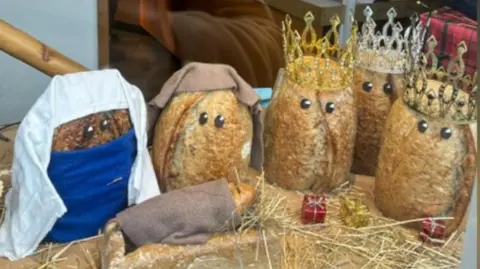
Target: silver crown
[(454, 99), (387, 52)]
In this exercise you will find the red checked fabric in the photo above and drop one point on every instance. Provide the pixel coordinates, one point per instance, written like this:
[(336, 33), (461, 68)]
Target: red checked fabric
[(450, 27)]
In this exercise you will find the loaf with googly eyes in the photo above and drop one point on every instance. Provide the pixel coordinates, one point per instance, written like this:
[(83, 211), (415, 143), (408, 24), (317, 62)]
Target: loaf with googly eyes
[(381, 64), (427, 161), (209, 127), (375, 94), (91, 130), (310, 130)]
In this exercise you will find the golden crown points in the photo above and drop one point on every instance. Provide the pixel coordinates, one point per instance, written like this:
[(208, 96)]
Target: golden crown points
[(318, 62), (447, 94), (386, 50)]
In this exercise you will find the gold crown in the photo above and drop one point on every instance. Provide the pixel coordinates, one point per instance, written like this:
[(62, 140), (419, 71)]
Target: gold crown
[(318, 62), (386, 52), (447, 94)]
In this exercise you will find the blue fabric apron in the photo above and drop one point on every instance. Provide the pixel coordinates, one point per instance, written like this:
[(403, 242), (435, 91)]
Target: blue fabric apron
[(93, 184)]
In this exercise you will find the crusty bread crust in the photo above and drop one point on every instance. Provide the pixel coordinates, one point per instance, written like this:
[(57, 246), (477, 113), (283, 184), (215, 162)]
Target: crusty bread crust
[(223, 246), (309, 149), (243, 195), (421, 174), (186, 152), (72, 135), (373, 108)]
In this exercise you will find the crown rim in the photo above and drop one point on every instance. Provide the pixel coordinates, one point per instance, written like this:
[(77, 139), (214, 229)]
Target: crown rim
[(459, 106), (297, 47), (379, 43)]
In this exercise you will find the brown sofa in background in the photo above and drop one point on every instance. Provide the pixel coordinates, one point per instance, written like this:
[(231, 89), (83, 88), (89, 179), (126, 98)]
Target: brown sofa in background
[(240, 33)]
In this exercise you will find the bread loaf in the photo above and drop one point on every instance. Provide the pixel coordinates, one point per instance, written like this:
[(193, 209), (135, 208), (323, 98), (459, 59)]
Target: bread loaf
[(426, 166), (375, 92), (310, 134), (91, 130), (243, 195), (201, 136), (224, 250)]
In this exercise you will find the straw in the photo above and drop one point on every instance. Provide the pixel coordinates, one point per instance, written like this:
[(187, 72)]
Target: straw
[(384, 244), (50, 262), (5, 183)]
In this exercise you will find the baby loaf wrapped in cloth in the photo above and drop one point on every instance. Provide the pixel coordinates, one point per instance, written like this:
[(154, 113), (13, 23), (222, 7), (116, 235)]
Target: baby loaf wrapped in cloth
[(311, 122), (184, 216), (209, 126), (80, 158)]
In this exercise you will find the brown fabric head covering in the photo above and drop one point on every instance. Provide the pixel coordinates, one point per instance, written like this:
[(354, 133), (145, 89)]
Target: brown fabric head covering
[(196, 76)]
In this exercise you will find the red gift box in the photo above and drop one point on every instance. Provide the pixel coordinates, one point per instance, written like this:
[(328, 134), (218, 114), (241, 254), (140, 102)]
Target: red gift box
[(433, 232), (314, 209)]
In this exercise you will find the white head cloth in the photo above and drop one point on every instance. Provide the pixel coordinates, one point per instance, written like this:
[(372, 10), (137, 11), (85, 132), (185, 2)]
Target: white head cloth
[(32, 204)]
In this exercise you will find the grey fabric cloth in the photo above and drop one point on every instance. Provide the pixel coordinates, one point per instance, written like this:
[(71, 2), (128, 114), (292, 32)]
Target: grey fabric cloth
[(180, 217), (196, 76)]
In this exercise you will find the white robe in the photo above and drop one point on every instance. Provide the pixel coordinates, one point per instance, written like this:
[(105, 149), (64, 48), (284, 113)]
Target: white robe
[(32, 204)]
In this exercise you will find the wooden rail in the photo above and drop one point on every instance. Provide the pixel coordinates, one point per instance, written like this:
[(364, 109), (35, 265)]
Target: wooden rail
[(31, 51)]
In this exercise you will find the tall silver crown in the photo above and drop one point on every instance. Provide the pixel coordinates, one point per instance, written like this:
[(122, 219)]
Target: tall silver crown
[(386, 52)]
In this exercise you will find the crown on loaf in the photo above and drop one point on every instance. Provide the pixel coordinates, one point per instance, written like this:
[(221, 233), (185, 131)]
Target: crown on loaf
[(383, 51), (454, 99), (308, 58)]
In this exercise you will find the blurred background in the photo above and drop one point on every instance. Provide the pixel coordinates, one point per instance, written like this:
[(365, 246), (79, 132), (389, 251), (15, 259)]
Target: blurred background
[(148, 40)]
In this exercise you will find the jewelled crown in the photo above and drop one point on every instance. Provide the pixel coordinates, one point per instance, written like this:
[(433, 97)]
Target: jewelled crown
[(386, 50), (318, 62), (452, 96)]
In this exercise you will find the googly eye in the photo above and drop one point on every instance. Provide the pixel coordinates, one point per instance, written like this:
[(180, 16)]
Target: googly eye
[(88, 132), (446, 133), (387, 88), (104, 125), (422, 126), (203, 118), (219, 121), (305, 103), (431, 95), (367, 86), (330, 107)]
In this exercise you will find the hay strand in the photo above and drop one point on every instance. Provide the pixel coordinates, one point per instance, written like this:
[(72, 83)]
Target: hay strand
[(385, 244), (5, 186), (265, 244), (88, 257), (50, 262)]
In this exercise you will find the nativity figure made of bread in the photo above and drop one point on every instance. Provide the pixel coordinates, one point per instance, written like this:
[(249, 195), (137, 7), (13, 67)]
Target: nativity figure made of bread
[(310, 125), (379, 80), (427, 161), (209, 127), (80, 158)]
